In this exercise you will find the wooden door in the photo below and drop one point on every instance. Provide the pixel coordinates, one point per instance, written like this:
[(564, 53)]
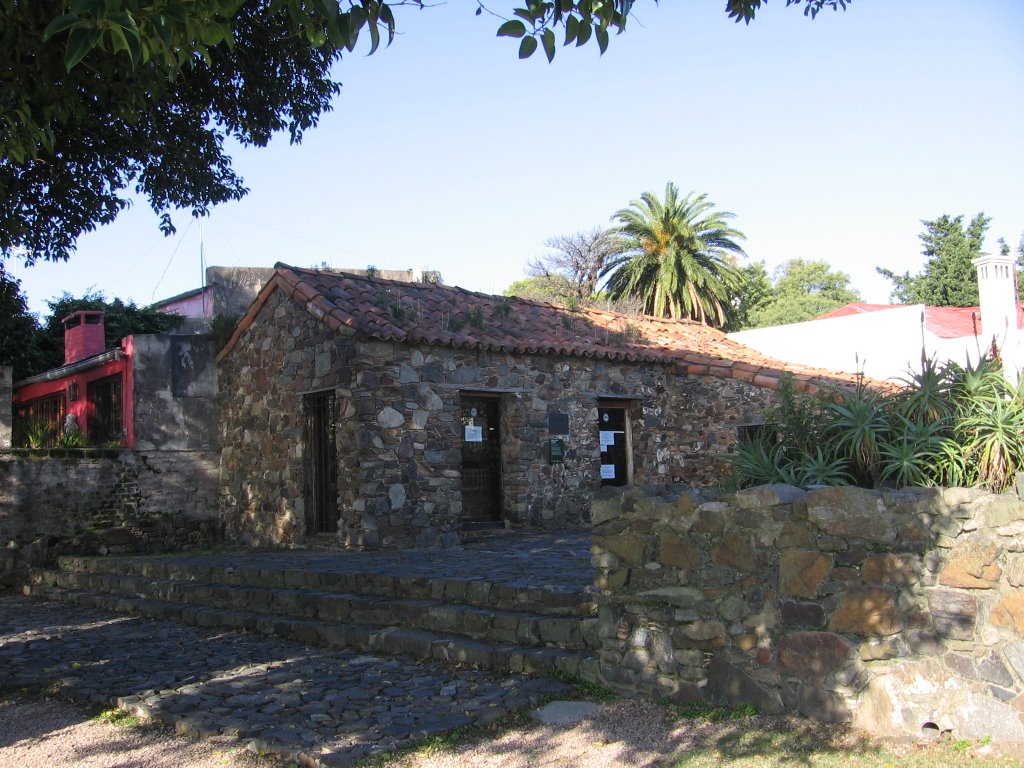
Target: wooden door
[(481, 460), (613, 433), (321, 463)]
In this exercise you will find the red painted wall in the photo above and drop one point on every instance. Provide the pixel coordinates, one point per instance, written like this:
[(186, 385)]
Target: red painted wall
[(80, 406)]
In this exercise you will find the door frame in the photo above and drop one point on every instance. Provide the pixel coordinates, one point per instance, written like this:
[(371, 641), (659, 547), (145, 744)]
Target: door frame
[(320, 461), (627, 430), (497, 492)]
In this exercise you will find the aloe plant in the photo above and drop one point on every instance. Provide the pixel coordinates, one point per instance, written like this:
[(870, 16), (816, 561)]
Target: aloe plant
[(758, 460), (858, 426), (822, 468)]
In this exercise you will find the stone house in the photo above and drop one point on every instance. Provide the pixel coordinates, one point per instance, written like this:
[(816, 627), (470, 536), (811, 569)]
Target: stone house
[(371, 412)]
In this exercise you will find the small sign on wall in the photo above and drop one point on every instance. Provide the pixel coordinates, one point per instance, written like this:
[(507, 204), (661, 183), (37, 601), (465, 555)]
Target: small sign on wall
[(474, 434), (558, 423), (607, 439), (556, 451), (607, 471)]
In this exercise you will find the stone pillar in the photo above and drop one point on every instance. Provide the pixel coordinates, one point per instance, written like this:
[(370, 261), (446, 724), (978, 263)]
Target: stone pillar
[(6, 416)]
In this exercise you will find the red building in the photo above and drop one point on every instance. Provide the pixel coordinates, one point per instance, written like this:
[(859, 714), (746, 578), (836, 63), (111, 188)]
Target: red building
[(94, 387)]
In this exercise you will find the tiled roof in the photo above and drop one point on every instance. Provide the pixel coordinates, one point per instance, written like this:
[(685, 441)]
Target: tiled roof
[(427, 313), (944, 322), (856, 308)]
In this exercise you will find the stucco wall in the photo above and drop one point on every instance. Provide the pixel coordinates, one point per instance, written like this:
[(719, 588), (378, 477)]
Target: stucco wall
[(175, 393), (399, 435), (891, 609), (883, 345)]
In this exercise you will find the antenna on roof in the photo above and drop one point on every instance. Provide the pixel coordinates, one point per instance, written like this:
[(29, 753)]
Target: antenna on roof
[(202, 267)]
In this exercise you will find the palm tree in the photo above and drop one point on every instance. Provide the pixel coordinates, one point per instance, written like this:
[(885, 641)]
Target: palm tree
[(679, 257)]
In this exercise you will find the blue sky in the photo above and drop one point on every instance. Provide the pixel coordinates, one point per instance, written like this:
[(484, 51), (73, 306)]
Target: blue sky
[(829, 139)]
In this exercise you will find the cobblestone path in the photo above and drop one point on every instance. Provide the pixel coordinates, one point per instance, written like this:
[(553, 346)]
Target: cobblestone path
[(554, 562), (276, 696)]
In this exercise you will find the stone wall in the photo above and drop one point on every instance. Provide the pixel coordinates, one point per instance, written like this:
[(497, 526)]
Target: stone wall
[(399, 433), (95, 501), (896, 610), (6, 418), (283, 355)]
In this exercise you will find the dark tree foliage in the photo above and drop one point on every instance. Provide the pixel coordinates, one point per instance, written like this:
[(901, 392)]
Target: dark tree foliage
[(106, 126), (948, 279), (120, 319), (101, 96), (17, 329)]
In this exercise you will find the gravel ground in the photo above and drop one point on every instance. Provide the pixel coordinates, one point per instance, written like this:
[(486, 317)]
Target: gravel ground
[(49, 733), (38, 732)]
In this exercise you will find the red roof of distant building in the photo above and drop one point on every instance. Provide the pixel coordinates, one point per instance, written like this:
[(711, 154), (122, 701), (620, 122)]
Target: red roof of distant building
[(856, 308), (944, 322)]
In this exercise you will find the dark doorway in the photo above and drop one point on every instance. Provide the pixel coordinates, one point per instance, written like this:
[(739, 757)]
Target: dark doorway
[(614, 435), (104, 419), (481, 460), (321, 463)]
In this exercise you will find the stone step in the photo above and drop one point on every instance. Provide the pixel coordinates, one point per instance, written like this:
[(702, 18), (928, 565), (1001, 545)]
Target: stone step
[(478, 592), (490, 625), (451, 648)]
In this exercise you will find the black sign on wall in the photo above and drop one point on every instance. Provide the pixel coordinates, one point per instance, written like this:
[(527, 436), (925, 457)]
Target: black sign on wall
[(558, 423), (556, 451)]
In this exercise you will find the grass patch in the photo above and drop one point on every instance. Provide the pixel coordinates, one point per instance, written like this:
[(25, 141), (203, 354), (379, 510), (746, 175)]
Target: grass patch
[(117, 717), (701, 710), (587, 690)]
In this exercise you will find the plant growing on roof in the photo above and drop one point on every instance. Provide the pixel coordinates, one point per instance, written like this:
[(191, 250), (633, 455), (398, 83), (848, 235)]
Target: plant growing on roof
[(678, 257)]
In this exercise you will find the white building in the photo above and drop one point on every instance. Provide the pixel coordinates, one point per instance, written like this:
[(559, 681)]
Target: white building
[(885, 341)]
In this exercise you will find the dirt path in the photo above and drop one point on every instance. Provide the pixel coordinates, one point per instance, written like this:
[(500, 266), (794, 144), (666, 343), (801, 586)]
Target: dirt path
[(48, 733), (37, 732)]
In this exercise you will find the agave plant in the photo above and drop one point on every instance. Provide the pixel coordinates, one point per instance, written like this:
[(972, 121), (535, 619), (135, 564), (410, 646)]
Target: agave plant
[(976, 385), (859, 424), (928, 393), (994, 439), (38, 433), (761, 461), (821, 468), (72, 438)]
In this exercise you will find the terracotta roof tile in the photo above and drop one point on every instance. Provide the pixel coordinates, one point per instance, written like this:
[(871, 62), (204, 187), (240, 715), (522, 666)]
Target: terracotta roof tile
[(944, 322), (374, 308)]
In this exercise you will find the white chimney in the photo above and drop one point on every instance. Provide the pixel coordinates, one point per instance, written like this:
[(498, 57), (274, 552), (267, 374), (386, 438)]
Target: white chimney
[(997, 293)]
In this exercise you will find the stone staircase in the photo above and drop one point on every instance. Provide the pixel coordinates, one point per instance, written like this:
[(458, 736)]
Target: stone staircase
[(475, 622)]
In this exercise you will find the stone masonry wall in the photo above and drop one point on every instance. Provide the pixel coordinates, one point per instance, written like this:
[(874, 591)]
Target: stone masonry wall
[(94, 501), (284, 354), (896, 610), (399, 431)]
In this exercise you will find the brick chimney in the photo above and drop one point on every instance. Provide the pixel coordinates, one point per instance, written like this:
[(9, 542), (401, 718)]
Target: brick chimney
[(83, 335)]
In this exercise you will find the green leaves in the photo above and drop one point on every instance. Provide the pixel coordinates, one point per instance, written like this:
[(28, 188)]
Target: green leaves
[(582, 20), (512, 28), (80, 42)]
